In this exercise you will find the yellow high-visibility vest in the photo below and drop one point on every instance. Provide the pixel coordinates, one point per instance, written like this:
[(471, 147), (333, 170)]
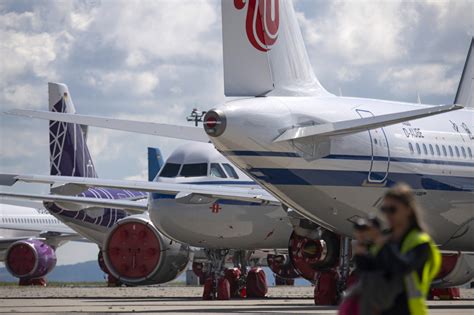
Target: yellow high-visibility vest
[(417, 289)]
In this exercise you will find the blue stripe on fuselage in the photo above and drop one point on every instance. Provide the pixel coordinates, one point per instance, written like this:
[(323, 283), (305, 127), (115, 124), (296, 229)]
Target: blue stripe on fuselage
[(313, 177), (348, 157), (157, 196)]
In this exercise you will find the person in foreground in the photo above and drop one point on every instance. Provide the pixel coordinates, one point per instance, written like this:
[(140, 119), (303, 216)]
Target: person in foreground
[(396, 268)]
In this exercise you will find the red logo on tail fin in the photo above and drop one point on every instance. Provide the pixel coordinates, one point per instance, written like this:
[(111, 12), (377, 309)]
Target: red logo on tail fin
[(262, 22)]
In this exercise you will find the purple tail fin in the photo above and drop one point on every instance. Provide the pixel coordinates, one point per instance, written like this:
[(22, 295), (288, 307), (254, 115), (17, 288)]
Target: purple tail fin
[(69, 154)]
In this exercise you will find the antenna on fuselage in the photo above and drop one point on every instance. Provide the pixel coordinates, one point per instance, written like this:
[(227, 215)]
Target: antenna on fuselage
[(196, 116)]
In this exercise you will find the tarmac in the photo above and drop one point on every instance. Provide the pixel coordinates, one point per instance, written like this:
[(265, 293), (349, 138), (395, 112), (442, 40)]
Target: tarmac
[(178, 300)]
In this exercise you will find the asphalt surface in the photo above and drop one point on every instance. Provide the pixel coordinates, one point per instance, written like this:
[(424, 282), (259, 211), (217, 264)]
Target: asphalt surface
[(184, 300)]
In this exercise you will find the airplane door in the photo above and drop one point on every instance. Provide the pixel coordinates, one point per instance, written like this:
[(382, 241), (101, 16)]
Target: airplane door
[(380, 151)]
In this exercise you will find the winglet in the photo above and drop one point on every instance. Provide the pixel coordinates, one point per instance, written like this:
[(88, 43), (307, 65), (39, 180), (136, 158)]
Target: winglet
[(465, 88)]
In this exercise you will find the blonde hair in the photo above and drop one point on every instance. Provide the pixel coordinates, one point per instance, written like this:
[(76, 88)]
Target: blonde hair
[(404, 194)]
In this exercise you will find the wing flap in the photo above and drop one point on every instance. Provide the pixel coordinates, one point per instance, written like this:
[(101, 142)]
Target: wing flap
[(362, 124)]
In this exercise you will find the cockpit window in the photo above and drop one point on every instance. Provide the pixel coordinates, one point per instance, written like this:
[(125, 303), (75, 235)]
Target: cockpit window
[(170, 170), (217, 171), (194, 170), (230, 171)]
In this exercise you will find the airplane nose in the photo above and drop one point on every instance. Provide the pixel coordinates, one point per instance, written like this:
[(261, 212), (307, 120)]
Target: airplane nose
[(215, 123)]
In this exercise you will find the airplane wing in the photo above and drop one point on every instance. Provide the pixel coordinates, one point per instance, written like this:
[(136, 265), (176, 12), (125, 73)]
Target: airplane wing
[(362, 124), (52, 238), (21, 203), (249, 194), (74, 202), (150, 128)]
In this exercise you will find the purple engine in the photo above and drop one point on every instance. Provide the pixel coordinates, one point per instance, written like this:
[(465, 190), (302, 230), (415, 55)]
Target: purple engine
[(30, 259)]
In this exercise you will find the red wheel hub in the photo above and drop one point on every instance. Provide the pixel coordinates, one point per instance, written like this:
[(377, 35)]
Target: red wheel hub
[(21, 259), (133, 250), (305, 253)]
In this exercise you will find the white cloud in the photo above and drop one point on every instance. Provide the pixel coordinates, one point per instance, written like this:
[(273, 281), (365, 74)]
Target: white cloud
[(25, 95), (164, 29), (431, 79), (346, 74), (361, 32), (140, 83)]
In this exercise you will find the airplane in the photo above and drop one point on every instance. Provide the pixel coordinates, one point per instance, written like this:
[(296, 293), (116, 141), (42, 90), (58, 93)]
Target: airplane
[(29, 238), (327, 158), (245, 230)]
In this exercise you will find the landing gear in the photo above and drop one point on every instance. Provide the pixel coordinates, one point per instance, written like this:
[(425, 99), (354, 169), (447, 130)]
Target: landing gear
[(36, 282), (236, 282), (111, 280), (216, 285), (322, 258), (201, 270), (332, 282), (445, 294)]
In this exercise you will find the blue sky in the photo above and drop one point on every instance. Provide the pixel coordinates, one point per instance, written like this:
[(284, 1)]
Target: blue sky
[(157, 60)]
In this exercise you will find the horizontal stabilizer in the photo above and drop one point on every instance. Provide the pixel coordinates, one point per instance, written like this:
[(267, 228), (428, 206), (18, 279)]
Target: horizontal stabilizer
[(150, 128), (362, 124), (82, 202), (247, 194)]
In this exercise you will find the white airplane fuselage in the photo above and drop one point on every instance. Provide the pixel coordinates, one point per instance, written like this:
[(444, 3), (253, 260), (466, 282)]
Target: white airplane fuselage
[(335, 180), (18, 222), (216, 223)]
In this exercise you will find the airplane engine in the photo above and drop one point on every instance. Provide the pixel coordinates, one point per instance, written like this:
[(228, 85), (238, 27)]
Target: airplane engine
[(310, 256), (281, 266), (137, 254), (456, 269), (30, 259)]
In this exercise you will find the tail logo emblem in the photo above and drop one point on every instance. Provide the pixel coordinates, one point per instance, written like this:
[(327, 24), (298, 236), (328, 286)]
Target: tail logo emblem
[(262, 22)]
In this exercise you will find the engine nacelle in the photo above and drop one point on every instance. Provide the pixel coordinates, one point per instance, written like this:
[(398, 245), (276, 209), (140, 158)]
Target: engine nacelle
[(281, 266), (456, 269), (136, 253), (309, 256), (30, 259)]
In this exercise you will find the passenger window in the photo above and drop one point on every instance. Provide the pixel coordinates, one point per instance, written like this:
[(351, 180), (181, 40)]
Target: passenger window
[(457, 151), (431, 149), (450, 150), (418, 150), (170, 170), (425, 150), (217, 171), (463, 151), (444, 151), (437, 150), (410, 146), (194, 170), (230, 171), (469, 152)]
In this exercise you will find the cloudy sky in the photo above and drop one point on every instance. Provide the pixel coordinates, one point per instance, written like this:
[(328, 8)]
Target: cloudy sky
[(157, 60)]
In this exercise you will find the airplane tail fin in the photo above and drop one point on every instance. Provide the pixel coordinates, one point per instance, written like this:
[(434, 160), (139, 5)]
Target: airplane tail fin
[(466, 85), (264, 52), (69, 154), (155, 162)]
